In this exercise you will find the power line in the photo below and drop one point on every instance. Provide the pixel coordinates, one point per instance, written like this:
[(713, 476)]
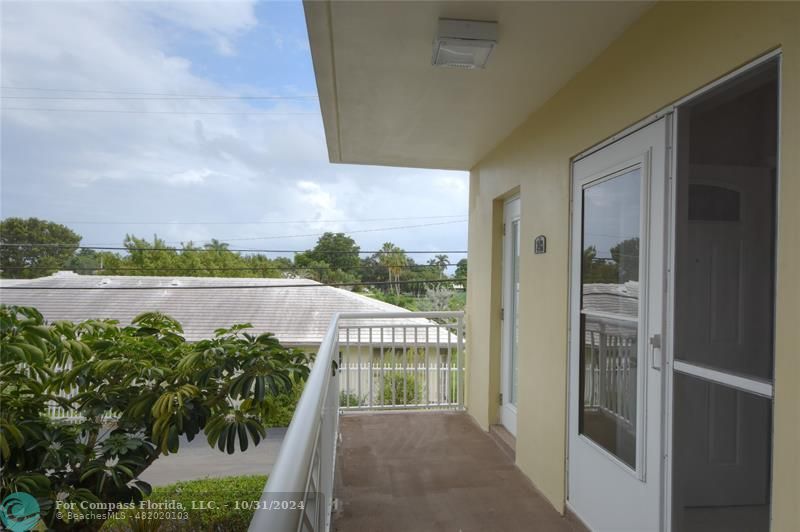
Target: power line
[(142, 112), (275, 237), (373, 230), (269, 222), (154, 98), (234, 287), (122, 248), (110, 269), (167, 94)]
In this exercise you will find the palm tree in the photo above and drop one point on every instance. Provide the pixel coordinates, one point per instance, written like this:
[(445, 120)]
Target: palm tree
[(216, 245), (441, 262), (393, 259)]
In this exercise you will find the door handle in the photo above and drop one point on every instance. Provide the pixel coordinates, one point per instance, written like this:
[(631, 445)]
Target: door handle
[(655, 351)]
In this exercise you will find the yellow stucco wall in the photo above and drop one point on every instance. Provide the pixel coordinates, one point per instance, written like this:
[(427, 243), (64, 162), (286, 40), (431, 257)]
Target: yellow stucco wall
[(673, 50)]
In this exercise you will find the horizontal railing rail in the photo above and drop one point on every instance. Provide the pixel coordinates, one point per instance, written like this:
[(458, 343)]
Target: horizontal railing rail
[(379, 352)]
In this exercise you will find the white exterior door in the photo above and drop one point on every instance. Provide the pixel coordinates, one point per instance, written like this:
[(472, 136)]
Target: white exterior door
[(617, 300), (510, 316)]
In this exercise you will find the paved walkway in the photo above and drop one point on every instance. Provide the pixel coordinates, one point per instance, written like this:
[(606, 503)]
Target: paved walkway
[(433, 471), (197, 459)]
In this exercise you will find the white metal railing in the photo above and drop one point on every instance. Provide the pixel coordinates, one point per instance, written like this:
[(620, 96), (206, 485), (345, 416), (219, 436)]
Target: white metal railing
[(407, 363), (610, 375), (374, 353), (58, 412), (69, 415)]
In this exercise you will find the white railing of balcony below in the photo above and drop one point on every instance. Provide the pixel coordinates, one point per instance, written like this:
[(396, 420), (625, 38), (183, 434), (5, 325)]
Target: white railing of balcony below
[(367, 361), (610, 374)]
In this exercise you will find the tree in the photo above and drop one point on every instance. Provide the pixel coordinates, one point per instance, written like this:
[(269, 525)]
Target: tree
[(85, 261), (597, 270), (154, 258), (266, 267), (393, 259), (461, 270), (216, 245), (441, 262), (436, 298), (372, 271), (626, 256), (159, 386), (337, 250), (418, 278), (54, 244), (213, 259)]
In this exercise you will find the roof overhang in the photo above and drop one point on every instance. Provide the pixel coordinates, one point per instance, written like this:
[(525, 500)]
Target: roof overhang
[(384, 103)]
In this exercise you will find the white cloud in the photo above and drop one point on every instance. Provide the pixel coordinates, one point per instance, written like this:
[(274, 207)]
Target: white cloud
[(221, 17), (322, 204), (171, 167), (218, 21), (189, 177), (452, 184)]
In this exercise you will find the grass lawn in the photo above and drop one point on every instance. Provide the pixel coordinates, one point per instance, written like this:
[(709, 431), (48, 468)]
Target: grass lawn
[(208, 505)]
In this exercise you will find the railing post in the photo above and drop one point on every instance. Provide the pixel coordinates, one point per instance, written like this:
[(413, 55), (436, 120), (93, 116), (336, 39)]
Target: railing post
[(370, 358), (461, 362)]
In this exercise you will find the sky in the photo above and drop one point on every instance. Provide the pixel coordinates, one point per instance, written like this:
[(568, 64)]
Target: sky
[(102, 130)]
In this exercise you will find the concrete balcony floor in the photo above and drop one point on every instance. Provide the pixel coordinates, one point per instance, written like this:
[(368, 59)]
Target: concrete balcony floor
[(432, 471)]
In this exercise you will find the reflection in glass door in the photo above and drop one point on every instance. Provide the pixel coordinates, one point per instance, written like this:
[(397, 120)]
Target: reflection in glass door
[(610, 313)]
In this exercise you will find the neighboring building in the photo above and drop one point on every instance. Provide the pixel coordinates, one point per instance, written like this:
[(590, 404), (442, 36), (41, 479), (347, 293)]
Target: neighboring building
[(662, 137), (297, 311)]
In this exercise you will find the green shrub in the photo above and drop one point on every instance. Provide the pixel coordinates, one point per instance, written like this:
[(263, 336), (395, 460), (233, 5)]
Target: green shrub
[(160, 387), (221, 493), (282, 407), (398, 388), (400, 300), (351, 399)]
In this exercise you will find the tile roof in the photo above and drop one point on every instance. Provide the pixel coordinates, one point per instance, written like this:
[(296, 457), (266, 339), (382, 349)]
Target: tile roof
[(296, 315), (620, 299)]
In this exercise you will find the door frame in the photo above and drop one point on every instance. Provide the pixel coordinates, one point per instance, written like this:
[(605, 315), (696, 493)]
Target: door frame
[(668, 363), (506, 327), (653, 162)]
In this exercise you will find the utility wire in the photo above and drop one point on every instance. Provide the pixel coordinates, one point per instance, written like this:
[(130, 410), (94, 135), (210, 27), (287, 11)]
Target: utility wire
[(155, 98), (269, 222), (168, 94), (193, 250), (277, 237), (373, 230), (142, 112), (110, 269), (232, 287)]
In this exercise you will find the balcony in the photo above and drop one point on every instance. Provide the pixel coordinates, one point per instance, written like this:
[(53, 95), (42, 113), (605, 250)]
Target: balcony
[(380, 440)]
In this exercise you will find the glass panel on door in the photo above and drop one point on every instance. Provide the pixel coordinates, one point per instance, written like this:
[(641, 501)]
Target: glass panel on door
[(510, 316), (610, 313), (514, 341)]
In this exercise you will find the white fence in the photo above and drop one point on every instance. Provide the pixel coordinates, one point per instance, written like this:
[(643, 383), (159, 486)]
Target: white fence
[(409, 364), (610, 372)]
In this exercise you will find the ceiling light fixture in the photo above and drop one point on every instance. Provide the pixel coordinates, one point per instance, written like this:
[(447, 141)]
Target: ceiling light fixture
[(464, 43)]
